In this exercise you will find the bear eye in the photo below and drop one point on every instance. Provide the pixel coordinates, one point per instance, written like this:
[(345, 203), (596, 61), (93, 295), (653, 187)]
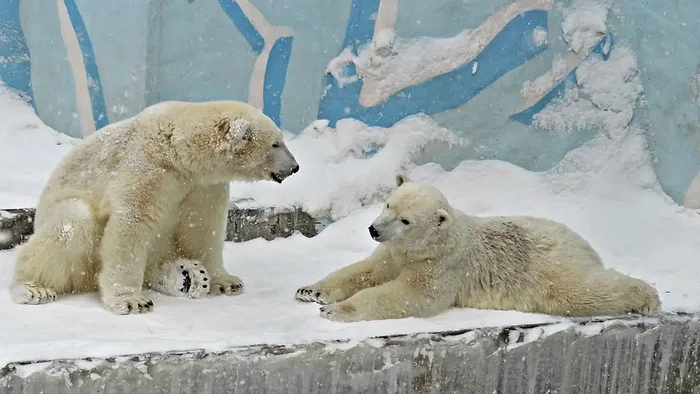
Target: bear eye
[(275, 144), (405, 221), (387, 205)]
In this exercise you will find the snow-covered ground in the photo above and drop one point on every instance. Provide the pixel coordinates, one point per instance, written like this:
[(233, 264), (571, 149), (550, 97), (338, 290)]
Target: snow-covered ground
[(605, 190)]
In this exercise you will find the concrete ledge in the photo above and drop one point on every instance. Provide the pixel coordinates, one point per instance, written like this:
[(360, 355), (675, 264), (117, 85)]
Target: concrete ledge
[(16, 225), (635, 356)]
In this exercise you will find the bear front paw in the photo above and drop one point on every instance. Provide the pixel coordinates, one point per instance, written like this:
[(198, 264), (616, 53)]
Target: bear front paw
[(183, 278), (227, 285), (342, 312), (130, 304), (310, 294)]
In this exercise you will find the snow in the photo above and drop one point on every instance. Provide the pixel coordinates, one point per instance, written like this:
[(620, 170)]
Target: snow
[(78, 326), (584, 24), (336, 177), (636, 229), (336, 67), (5, 237), (29, 150), (605, 97), (539, 36)]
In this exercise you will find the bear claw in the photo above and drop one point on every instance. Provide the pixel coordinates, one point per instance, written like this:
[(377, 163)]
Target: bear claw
[(229, 285), (308, 294), (32, 294), (129, 305)]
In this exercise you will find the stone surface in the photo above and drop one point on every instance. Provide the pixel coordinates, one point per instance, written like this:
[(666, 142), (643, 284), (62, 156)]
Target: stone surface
[(16, 225), (248, 223), (630, 356)]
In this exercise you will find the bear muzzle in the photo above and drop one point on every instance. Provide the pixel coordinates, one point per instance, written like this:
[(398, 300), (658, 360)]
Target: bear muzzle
[(282, 175)]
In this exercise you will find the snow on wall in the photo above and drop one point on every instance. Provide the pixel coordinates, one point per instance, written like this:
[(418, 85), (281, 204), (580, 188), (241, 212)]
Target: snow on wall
[(493, 72)]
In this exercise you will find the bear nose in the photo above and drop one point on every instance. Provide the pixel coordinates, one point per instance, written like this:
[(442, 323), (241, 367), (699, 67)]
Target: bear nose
[(295, 169), (373, 232)]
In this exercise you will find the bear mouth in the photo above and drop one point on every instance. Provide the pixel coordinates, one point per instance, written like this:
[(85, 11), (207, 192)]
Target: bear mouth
[(275, 177)]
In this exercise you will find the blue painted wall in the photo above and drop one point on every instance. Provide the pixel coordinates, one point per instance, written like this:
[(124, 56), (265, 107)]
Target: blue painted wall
[(138, 52)]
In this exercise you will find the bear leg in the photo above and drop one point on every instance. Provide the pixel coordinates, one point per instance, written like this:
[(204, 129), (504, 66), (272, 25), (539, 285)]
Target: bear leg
[(201, 232), (342, 284), (419, 291), (59, 257)]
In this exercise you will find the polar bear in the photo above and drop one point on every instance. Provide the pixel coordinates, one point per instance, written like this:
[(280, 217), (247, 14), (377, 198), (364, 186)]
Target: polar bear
[(431, 256), (144, 201)]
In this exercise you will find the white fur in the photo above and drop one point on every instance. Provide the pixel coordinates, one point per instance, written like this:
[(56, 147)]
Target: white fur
[(432, 257), (144, 201)]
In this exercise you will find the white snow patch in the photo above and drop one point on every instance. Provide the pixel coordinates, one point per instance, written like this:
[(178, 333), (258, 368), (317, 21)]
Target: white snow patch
[(5, 236), (519, 337), (7, 215), (340, 346), (29, 150), (584, 24), (335, 177), (25, 370), (583, 27), (467, 337), (605, 97), (539, 36), (338, 65)]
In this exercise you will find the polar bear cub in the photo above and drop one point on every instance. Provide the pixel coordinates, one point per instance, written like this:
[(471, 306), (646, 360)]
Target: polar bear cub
[(144, 201), (431, 257)]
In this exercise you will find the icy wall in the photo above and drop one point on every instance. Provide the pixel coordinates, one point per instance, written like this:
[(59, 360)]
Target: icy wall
[(485, 69)]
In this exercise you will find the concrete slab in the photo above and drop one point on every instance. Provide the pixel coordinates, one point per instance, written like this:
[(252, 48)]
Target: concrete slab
[(16, 225), (630, 356)]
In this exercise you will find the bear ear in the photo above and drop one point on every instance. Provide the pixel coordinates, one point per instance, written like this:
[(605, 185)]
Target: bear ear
[(444, 218), (241, 129), (401, 178)]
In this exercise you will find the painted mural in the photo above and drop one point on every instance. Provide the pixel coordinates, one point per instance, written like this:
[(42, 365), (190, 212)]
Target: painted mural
[(276, 56)]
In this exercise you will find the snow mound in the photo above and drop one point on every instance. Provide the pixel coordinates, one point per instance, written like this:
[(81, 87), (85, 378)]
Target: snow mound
[(29, 150), (345, 168)]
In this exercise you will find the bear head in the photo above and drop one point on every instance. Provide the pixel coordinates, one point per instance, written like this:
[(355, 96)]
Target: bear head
[(413, 215), (234, 142)]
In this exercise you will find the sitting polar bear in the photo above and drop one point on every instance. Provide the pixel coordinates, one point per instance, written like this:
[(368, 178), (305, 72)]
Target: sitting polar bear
[(145, 201), (432, 257)]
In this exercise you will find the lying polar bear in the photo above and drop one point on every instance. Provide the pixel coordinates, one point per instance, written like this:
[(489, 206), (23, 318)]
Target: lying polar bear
[(144, 202), (432, 256)]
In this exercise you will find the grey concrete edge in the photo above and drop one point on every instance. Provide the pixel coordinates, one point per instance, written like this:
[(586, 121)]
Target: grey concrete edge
[(622, 355), (243, 224)]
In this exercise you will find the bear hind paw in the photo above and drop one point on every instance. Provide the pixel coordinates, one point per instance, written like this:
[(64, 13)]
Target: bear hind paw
[(183, 278), (28, 293)]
